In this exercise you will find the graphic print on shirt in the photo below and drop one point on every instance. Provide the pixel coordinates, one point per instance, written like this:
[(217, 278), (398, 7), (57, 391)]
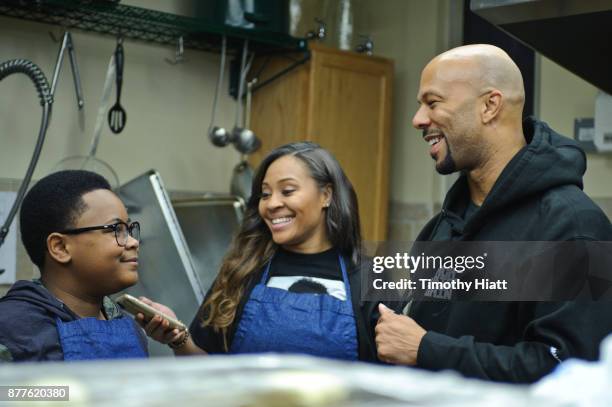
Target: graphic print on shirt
[(310, 285), (442, 275)]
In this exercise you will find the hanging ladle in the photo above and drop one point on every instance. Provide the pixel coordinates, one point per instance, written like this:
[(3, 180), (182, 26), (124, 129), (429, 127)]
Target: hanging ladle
[(243, 138)]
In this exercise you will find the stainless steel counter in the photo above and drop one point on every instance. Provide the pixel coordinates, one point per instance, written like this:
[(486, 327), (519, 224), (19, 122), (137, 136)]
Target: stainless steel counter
[(259, 381)]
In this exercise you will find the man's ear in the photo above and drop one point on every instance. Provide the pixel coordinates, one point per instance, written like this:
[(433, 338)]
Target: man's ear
[(492, 103), (58, 248)]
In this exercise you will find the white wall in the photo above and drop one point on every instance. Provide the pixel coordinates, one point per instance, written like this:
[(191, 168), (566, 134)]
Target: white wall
[(411, 33), (168, 109), (563, 98)]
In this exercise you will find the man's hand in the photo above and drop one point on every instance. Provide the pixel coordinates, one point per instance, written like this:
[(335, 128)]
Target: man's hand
[(397, 337)]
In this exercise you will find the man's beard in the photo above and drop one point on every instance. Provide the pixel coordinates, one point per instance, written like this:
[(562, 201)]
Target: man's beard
[(447, 166)]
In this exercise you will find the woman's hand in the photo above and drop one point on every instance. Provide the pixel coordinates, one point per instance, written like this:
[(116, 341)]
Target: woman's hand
[(157, 327)]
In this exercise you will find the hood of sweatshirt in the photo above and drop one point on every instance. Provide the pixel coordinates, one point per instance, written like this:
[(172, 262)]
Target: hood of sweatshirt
[(35, 293), (548, 160)]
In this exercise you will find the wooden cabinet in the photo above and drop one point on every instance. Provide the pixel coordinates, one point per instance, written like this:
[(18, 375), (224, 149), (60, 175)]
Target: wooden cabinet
[(342, 101)]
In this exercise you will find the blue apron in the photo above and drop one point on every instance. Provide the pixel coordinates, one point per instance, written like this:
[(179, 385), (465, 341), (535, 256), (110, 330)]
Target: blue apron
[(277, 320), (91, 338)]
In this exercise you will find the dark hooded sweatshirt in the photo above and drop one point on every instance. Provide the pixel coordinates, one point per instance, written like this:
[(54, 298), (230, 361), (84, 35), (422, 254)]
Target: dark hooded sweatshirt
[(537, 197), (28, 331)]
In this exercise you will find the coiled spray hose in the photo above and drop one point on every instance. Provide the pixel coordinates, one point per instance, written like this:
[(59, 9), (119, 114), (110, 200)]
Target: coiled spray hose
[(46, 100)]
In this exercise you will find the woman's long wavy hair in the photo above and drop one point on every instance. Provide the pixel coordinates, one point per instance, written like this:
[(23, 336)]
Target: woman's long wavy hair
[(253, 246)]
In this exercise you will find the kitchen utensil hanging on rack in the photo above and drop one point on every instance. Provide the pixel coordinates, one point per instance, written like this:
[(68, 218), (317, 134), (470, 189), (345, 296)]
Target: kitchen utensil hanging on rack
[(242, 174), (68, 45), (90, 162), (217, 134), (244, 140), (117, 115)]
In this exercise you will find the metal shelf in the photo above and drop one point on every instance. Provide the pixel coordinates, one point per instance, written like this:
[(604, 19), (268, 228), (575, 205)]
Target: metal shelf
[(107, 17)]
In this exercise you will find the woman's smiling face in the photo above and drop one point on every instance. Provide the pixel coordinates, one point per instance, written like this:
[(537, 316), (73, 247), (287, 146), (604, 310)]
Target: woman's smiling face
[(294, 206)]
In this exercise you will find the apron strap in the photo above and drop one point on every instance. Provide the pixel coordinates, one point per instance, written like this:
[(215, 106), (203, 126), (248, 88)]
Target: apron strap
[(347, 285), (264, 278)]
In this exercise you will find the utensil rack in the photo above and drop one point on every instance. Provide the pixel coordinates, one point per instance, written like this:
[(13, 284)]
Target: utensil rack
[(136, 23)]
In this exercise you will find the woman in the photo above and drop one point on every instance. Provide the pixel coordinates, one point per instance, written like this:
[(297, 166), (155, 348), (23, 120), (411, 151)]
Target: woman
[(290, 281)]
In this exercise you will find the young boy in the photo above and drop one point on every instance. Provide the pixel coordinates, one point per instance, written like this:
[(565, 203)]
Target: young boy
[(77, 231)]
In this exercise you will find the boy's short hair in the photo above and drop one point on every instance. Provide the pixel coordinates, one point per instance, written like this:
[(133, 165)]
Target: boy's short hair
[(54, 203)]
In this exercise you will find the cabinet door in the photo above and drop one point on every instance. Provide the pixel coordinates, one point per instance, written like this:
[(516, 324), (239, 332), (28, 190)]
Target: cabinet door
[(279, 109), (350, 114)]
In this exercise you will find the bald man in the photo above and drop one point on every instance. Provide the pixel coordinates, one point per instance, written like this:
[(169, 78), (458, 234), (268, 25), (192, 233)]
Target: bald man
[(520, 181)]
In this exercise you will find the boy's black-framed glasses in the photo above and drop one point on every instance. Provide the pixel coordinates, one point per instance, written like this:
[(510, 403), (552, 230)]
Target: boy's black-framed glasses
[(122, 231)]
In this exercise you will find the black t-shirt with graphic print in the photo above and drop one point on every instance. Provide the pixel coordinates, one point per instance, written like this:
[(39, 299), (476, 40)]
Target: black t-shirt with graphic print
[(318, 273)]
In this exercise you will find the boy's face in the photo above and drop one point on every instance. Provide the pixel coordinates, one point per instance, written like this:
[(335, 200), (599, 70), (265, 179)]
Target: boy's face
[(99, 264)]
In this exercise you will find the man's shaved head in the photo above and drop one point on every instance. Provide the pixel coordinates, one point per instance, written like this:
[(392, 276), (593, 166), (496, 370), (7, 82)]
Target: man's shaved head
[(484, 67)]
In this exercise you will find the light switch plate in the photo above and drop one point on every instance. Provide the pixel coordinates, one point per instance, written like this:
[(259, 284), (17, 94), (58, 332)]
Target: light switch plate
[(584, 133), (603, 122)]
